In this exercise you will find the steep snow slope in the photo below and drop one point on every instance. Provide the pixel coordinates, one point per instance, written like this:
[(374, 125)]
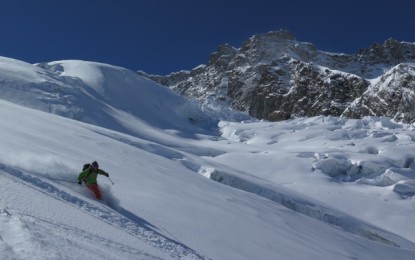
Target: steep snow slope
[(161, 205), (158, 209)]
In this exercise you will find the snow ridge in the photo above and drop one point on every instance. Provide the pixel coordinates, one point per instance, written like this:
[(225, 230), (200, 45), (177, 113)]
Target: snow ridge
[(308, 208)]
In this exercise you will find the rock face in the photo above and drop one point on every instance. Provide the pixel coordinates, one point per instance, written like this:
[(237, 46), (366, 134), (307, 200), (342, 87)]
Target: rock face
[(274, 77)]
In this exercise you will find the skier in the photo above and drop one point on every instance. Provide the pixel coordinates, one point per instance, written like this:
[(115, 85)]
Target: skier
[(89, 176)]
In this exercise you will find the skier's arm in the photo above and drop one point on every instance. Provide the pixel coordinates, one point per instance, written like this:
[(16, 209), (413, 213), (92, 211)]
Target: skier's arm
[(103, 172), (81, 176)]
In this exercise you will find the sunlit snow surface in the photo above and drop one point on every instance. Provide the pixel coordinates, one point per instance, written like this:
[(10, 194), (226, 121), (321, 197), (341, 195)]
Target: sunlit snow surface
[(189, 185)]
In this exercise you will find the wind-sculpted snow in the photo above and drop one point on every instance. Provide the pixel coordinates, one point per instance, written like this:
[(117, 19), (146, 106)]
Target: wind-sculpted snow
[(117, 217)]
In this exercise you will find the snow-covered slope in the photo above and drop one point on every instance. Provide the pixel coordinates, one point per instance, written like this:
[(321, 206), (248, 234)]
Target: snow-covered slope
[(168, 200), (100, 94)]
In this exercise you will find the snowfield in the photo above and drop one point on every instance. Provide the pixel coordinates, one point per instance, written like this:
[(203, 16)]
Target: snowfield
[(191, 182)]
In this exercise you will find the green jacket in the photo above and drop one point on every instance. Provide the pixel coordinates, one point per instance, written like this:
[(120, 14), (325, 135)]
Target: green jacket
[(90, 176)]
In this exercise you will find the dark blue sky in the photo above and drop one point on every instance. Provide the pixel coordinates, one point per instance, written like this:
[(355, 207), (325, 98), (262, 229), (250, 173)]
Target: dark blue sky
[(162, 36)]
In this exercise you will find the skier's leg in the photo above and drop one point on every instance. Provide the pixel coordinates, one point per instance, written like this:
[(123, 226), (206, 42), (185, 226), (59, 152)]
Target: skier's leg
[(95, 189)]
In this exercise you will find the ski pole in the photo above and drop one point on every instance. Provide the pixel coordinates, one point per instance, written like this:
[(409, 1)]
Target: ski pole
[(110, 180)]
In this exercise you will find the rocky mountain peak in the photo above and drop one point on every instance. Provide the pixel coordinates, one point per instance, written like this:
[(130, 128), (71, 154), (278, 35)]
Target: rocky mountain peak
[(223, 56), (390, 52), (280, 35), (275, 77), (265, 48)]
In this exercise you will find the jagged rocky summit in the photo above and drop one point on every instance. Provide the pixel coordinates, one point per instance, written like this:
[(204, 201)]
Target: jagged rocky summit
[(275, 77)]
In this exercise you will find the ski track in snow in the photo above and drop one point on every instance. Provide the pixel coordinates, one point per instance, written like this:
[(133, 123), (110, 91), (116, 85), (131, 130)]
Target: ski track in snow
[(20, 242), (120, 218), (15, 237)]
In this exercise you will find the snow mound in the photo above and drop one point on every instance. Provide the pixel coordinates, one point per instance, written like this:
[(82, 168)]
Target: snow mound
[(405, 188), (390, 177), (369, 173)]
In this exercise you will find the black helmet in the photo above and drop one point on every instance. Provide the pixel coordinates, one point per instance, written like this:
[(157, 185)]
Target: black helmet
[(95, 164)]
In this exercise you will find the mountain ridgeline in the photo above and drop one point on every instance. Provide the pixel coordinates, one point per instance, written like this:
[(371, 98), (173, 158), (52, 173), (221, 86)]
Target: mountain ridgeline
[(275, 77)]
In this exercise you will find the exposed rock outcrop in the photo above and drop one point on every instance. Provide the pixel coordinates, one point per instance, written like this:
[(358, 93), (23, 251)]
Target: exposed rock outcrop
[(273, 76)]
